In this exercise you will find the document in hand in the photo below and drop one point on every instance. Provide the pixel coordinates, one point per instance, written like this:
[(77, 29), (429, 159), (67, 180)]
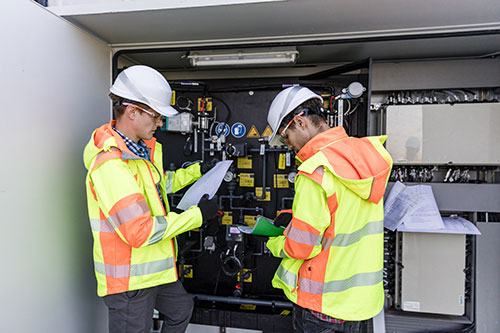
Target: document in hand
[(413, 206), (263, 227), (208, 184)]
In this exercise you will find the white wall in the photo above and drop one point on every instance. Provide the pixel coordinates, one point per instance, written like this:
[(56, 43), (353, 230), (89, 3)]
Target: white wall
[(53, 90)]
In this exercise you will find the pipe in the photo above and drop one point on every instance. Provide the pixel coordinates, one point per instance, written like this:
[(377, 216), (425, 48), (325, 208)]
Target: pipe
[(236, 300)]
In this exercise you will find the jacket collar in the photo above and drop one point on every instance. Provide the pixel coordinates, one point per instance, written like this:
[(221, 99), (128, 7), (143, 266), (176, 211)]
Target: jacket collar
[(321, 140), (120, 144)]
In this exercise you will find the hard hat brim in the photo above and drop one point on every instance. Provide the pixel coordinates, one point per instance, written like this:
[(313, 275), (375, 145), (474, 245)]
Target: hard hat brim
[(167, 111)]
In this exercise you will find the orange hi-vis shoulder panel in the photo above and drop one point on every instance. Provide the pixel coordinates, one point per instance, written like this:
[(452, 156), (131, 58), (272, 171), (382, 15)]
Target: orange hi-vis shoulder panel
[(133, 229), (333, 249)]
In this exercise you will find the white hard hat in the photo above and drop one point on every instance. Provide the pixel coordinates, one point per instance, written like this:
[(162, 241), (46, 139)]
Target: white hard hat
[(284, 103), (145, 85)]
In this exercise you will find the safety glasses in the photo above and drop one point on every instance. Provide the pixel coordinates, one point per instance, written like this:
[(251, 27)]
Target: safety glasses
[(157, 118)]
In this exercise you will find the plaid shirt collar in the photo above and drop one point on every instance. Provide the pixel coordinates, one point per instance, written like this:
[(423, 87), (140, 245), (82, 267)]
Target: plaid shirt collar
[(140, 148)]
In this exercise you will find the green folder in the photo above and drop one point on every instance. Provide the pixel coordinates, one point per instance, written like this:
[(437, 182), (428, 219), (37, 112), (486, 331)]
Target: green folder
[(263, 227)]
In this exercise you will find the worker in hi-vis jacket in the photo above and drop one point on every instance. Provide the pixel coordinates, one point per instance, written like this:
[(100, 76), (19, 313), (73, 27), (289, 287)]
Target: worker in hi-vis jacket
[(332, 247), (133, 228)]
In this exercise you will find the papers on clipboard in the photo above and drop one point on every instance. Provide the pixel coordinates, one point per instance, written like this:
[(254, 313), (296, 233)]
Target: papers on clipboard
[(208, 184), (263, 227), (414, 209)]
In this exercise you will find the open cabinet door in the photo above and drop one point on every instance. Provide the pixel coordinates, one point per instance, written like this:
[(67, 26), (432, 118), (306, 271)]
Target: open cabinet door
[(54, 79)]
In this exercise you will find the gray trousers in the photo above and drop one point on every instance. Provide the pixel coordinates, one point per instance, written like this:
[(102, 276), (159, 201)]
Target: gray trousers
[(132, 311)]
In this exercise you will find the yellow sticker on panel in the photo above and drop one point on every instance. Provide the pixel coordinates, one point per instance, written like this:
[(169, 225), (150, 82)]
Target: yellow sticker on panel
[(227, 218), (246, 179), (250, 220), (282, 162), (267, 132), (281, 181), (172, 101), (253, 133), (245, 162), (258, 193)]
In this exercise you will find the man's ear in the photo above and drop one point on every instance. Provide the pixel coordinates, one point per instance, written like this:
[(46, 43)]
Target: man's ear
[(130, 112), (301, 122)]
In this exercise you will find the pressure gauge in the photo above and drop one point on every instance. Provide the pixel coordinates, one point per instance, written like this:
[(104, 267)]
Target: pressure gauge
[(291, 177)]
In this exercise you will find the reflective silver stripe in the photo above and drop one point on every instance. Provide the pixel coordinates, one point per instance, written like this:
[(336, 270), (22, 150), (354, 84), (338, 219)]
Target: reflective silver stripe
[(128, 213), (159, 229), (342, 240), (358, 280), (287, 277), (303, 237), (169, 182), (152, 267), (283, 254), (136, 270), (101, 225), (112, 271)]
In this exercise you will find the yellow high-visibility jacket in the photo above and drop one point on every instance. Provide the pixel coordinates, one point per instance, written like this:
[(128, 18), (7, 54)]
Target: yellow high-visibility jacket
[(332, 249), (134, 235)]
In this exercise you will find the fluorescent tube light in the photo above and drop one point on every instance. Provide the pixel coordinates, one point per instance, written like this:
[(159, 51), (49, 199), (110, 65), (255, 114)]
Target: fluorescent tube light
[(244, 57)]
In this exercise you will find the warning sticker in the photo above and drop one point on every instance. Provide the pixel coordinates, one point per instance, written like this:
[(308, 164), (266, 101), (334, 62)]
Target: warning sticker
[(172, 101), (258, 193), (246, 179), (248, 277), (253, 133), (250, 220), (267, 132), (245, 162), (227, 218), (281, 181), (282, 162), (248, 306), (205, 104), (188, 271)]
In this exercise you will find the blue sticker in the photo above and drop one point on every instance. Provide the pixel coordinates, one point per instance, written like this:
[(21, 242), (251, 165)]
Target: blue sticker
[(222, 128), (238, 130)]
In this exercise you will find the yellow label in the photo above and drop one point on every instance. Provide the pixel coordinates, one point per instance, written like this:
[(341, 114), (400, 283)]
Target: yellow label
[(282, 162), (172, 101), (249, 278), (227, 218), (253, 133), (281, 181), (267, 132), (208, 104), (248, 307), (258, 192), (245, 162), (326, 100), (246, 179), (188, 271), (250, 220), (285, 313)]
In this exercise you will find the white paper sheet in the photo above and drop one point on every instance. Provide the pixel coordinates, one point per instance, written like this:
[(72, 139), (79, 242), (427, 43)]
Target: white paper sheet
[(396, 205), (424, 214), (413, 206), (208, 184), (452, 225)]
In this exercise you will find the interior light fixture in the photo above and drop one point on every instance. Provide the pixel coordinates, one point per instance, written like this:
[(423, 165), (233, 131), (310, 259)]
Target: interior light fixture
[(243, 57)]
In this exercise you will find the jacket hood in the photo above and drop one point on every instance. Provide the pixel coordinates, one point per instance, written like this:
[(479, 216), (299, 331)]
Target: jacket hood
[(360, 164)]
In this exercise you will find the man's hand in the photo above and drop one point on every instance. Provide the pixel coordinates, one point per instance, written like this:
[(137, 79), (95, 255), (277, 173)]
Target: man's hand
[(208, 207), (207, 165), (283, 219)]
